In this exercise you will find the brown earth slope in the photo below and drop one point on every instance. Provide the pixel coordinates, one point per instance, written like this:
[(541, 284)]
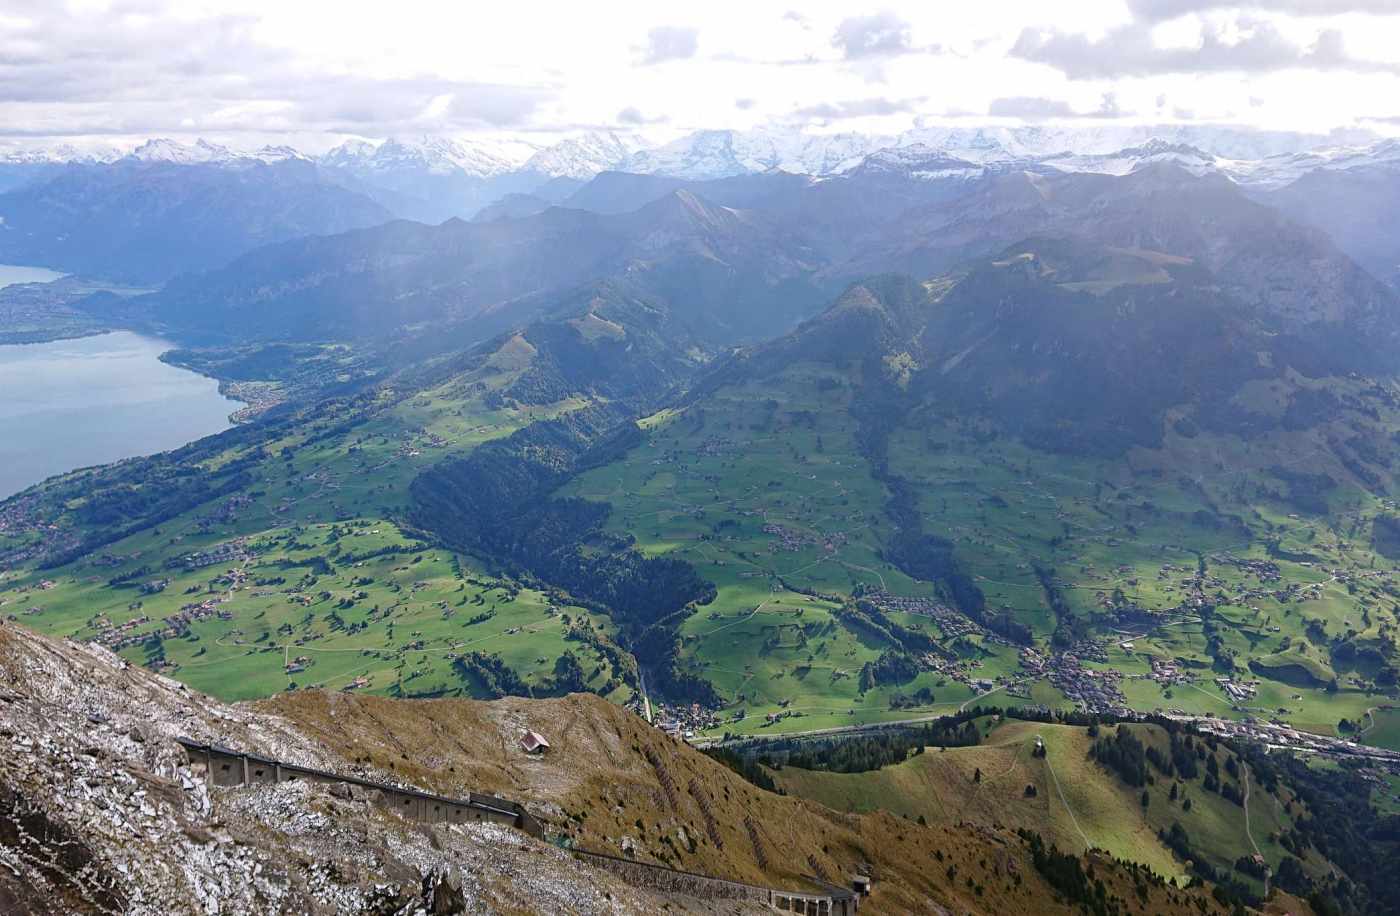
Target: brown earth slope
[(101, 812), (612, 783)]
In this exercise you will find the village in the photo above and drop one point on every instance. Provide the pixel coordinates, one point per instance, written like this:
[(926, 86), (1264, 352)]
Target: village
[(790, 540), (952, 623), (1092, 690)]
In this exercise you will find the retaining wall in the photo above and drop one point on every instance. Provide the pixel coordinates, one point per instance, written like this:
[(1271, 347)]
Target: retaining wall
[(838, 902), (226, 767)]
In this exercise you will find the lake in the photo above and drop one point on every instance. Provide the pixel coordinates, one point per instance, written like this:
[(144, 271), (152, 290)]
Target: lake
[(76, 403), (13, 273)]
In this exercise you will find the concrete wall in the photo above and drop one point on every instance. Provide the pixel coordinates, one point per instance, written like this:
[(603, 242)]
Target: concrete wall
[(659, 877), (226, 768)]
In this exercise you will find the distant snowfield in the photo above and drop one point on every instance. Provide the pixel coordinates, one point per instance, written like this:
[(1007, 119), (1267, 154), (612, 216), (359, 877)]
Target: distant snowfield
[(722, 153)]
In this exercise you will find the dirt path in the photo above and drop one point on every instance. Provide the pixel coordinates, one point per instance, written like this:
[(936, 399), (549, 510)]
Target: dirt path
[(1250, 833), (733, 623), (1064, 801), (1015, 759)]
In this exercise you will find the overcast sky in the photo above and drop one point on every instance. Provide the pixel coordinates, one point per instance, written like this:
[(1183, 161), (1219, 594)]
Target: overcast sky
[(310, 71)]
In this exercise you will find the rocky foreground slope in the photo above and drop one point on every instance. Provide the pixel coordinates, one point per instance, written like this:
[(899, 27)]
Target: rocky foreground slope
[(101, 812)]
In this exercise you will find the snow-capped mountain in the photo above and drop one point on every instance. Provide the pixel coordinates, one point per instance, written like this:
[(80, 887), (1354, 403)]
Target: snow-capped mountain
[(1126, 161), (24, 166), (1277, 171), (583, 157), (60, 154), (477, 158), (710, 154), (993, 143), (431, 178), (920, 162), (723, 153), (164, 150), (202, 152)]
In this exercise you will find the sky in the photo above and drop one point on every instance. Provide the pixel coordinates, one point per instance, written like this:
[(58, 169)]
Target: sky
[(311, 72)]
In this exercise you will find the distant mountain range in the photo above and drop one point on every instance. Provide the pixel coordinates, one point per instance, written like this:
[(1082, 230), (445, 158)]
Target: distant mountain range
[(743, 258), (145, 215), (707, 154), (168, 210)]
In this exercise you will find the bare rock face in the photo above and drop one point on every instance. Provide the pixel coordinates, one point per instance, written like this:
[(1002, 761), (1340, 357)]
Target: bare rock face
[(102, 812), (442, 894)]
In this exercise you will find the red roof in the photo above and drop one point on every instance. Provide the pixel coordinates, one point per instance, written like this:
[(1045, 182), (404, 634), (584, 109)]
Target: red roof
[(534, 741)]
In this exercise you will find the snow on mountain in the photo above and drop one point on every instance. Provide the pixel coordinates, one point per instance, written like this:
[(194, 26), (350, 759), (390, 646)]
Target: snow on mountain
[(920, 162), (1126, 161), (274, 154), (994, 144), (165, 150), (474, 158), (724, 153), (583, 157), (202, 152), (59, 154), (349, 154), (1277, 171)]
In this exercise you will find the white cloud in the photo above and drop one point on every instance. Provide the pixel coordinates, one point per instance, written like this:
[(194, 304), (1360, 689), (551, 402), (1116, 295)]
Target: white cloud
[(317, 68), (1235, 46), (669, 42), (878, 34)]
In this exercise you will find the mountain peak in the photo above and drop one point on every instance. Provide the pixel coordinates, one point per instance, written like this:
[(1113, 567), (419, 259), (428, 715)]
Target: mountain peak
[(163, 149), (432, 153), (919, 161), (585, 156)]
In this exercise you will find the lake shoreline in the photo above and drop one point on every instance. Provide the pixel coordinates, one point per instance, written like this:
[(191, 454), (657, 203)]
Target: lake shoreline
[(37, 305), (34, 338), (94, 399), (231, 389)]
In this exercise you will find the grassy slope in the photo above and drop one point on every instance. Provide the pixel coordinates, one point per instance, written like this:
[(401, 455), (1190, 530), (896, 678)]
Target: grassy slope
[(600, 777), (1095, 810), (1141, 527), (780, 452), (340, 474), (1384, 728)]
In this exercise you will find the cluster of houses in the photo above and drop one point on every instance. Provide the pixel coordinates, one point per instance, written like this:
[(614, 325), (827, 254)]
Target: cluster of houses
[(233, 552), (18, 516), (955, 669), (1263, 570), (1282, 736), (683, 721), (1168, 673), (118, 636), (132, 632), (953, 623), (298, 664), (790, 540), (1093, 690), (1237, 691)]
